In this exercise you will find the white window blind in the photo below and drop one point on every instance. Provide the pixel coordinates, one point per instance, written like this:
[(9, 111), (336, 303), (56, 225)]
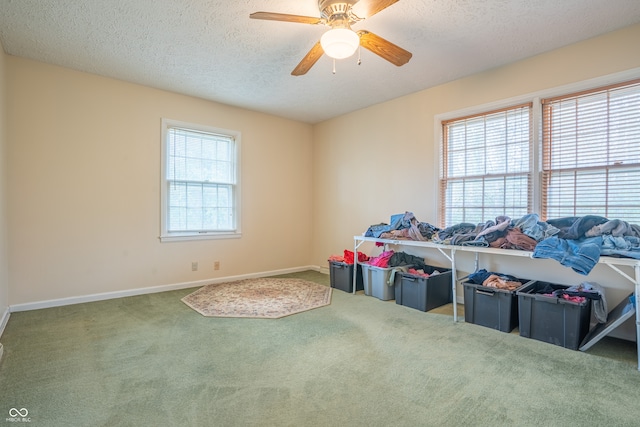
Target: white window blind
[(486, 166), (200, 179), (591, 153)]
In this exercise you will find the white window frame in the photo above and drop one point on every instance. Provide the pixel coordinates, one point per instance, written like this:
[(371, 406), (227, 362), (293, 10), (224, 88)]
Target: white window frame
[(498, 144), (165, 234), (535, 98)]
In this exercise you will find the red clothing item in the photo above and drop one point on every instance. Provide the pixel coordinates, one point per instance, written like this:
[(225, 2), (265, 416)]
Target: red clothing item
[(348, 257)]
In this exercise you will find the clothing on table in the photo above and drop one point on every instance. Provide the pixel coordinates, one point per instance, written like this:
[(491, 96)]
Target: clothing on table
[(580, 255), (515, 239), (408, 229), (497, 230), (402, 226), (445, 235), (467, 235), (616, 228), (621, 246), (402, 233), (531, 226), (377, 229), (574, 228)]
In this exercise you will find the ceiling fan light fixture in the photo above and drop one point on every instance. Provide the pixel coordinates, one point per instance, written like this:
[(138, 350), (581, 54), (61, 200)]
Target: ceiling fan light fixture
[(340, 43)]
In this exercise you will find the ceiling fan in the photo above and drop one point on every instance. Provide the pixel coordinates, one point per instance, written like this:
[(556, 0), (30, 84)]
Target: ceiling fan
[(341, 41)]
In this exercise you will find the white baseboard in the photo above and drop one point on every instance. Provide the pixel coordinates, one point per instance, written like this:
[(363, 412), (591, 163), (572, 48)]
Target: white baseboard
[(150, 290), (4, 319), (3, 323), (323, 270)]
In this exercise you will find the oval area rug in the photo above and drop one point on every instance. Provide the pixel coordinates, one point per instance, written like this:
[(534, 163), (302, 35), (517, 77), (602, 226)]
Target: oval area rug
[(269, 298)]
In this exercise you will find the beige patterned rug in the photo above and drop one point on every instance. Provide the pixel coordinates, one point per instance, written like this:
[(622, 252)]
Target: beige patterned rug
[(269, 298)]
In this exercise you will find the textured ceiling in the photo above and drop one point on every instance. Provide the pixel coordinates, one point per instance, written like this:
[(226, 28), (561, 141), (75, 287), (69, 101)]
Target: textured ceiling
[(212, 50)]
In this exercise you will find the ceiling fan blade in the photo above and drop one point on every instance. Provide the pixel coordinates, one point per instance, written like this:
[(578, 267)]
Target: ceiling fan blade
[(383, 48), (285, 17), (307, 62), (368, 8)]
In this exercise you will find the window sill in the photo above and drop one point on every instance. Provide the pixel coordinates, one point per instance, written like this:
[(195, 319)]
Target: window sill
[(177, 237)]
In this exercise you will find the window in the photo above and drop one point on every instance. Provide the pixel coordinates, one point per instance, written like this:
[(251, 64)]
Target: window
[(559, 156), (591, 153), (200, 190), (486, 168)]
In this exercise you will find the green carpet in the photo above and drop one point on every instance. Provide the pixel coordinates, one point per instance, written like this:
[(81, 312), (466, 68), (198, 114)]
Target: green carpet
[(150, 360)]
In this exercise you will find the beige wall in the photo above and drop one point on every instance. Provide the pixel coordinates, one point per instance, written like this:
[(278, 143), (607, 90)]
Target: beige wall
[(84, 187), (83, 157), (383, 160), (4, 263)]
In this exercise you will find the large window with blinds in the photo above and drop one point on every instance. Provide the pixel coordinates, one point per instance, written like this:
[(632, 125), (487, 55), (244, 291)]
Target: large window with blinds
[(486, 166), (200, 190), (591, 153), (584, 160)]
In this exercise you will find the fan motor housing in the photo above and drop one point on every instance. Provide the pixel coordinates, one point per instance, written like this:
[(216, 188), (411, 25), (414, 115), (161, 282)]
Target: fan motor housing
[(329, 8)]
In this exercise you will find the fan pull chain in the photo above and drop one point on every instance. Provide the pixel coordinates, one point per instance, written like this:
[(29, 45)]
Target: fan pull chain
[(359, 50), (334, 66)]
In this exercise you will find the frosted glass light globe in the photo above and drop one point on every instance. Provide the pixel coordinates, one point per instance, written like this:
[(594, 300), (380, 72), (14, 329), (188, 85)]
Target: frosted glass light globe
[(339, 43)]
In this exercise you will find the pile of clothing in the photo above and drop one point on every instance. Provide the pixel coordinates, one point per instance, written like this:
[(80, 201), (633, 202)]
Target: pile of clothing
[(495, 280), (402, 226), (403, 262), (348, 257), (388, 259), (579, 294), (422, 273), (575, 242)]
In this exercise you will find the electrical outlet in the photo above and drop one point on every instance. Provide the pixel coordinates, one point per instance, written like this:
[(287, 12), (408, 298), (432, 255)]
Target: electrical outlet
[(194, 266), (216, 265)]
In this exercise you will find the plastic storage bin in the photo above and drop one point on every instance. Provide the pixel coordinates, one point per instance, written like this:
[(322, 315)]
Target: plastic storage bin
[(341, 276), (424, 293), (376, 280), (492, 307), (551, 319)]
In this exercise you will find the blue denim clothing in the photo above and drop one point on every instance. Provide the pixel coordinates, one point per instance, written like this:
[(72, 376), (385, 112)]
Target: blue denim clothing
[(575, 227), (581, 255), (531, 226), (480, 276), (427, 230), (467, 234), (445, 235), (479, 242), (464, 235), (377, 229), (624, 246), (494, 230), (400, 222), (615, 227)]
